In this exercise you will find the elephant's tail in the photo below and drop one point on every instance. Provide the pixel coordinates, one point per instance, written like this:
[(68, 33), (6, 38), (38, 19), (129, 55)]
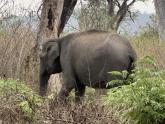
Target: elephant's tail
[(131, 65)]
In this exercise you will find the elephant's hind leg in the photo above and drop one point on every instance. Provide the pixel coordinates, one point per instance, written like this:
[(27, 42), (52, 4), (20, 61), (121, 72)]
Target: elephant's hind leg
[(79, 92), (64, 93), (66, 88)]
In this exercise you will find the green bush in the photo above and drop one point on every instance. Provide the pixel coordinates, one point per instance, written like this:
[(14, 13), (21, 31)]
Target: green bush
[(143, 101), (18, 97)]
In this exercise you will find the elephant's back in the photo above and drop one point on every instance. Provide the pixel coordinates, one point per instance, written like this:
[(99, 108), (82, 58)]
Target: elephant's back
[(98, 44)]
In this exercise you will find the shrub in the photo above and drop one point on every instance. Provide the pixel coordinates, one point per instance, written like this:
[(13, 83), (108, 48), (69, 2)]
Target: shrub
[(20, 105), (17, 101), (143, 101)]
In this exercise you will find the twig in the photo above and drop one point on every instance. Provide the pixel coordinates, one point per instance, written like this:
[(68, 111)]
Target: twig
[(39, 10), (61, 120)]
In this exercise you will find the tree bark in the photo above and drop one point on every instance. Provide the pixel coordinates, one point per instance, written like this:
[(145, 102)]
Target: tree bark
[(110, 7), (49, 23), (50, 20), (160, 12)]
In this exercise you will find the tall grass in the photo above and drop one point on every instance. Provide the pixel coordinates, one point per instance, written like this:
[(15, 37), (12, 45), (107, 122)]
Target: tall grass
[(15, 46), (147, 43)]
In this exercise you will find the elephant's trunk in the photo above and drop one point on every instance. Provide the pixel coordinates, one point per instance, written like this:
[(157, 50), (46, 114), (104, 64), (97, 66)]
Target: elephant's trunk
[(44, 77), (43, 84)]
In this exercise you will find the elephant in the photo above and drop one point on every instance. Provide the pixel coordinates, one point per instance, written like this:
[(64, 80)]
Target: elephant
[(85, 58)]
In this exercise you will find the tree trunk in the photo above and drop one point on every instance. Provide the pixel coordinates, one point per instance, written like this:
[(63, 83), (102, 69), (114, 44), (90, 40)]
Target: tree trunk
[(54, 16), (50, 20), (160, 12), (49, 23)]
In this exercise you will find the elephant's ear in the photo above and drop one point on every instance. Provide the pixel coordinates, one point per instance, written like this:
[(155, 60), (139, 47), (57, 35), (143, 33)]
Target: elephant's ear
[(53, 49), (49, 48), (42, 52), (43, 49), (40, 48)]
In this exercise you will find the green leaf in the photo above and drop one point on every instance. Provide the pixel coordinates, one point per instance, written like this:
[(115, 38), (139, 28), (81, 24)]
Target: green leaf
[(116, 73)]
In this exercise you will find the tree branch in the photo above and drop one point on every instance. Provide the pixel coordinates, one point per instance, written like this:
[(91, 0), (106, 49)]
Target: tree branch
[(130, 15), (121, 13), (110, 7), (117, 3), (133, 1), (66, 13), (39, 10)]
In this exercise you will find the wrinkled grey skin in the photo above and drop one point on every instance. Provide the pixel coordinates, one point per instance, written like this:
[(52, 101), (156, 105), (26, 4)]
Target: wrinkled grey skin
[(85, 59)]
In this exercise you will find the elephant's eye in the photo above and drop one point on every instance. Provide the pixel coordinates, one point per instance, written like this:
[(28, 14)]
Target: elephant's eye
[(48, 49)]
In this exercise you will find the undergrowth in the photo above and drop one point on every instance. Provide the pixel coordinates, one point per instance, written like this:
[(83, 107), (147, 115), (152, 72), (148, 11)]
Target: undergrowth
[(143, 101), (20, 105), (17, 101)]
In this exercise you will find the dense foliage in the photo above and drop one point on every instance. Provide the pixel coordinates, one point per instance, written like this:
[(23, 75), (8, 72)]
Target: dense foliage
[(143, 101), (17, 101)]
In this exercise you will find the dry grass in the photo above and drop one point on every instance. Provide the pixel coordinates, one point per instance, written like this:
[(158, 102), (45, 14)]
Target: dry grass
[(86, 113), (69, 113), (150, 46), (15, 45), (36, 111)]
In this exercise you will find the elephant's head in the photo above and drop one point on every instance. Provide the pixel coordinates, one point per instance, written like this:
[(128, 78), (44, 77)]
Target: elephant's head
[(49, 63)]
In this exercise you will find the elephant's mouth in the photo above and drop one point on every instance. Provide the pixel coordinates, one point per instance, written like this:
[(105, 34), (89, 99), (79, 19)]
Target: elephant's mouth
[(50, 70), (54, 69)]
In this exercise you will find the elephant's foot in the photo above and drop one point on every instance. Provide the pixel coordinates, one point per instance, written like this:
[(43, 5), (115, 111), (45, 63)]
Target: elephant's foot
[(42, 92), (79, 99), (62, 96)]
